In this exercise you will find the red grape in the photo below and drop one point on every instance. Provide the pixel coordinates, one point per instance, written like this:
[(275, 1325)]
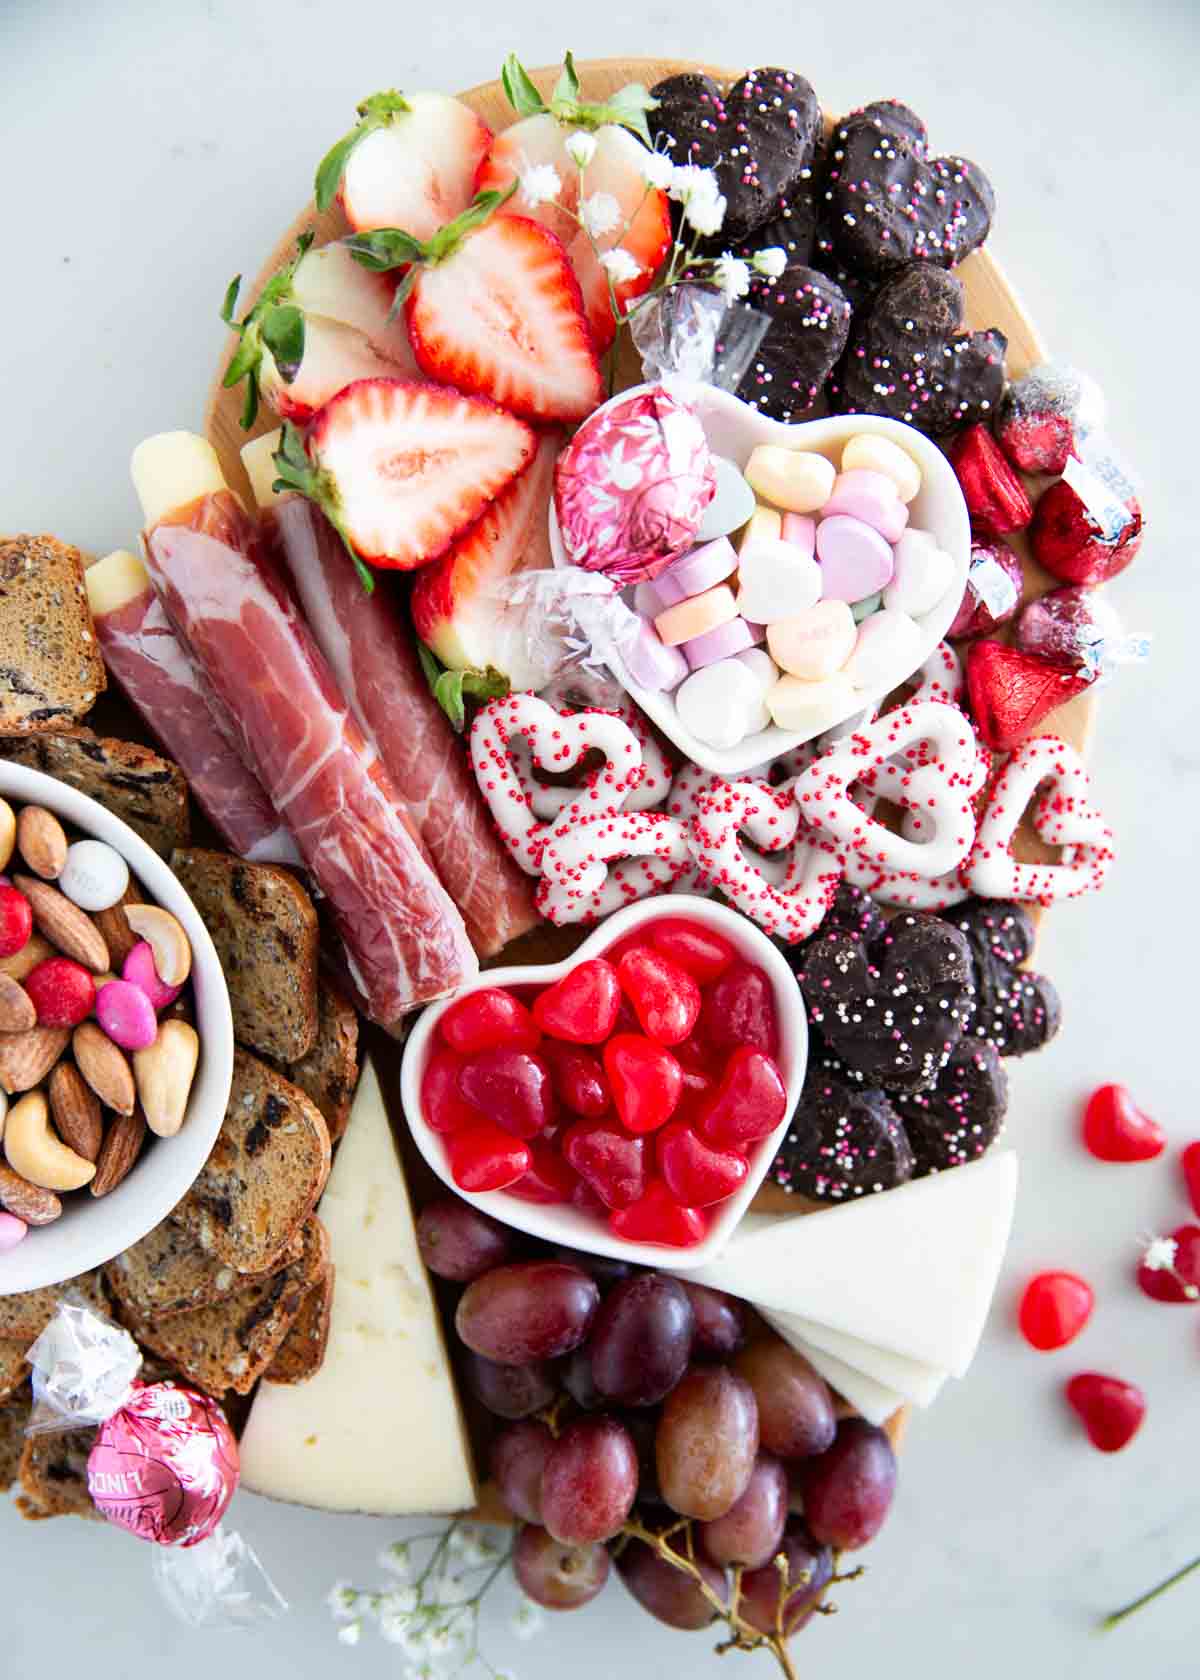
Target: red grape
[(605, 1270), (750, 1531), (669, 1594), (518, 1458), (720, 1322), (641, 1339), (576, 1377), (795, 1408), (848, 1490), (590, 1481), (510, 1391), (459, 1242), (810, 1568), (558, 1576), (707, 1442), (536, 1309)]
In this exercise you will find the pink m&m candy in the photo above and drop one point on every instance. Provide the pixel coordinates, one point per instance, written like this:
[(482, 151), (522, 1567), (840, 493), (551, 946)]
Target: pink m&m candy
[(815, 643), (855, 559), (12, 1231), (126, 1014), (871, 497), (138, 968)]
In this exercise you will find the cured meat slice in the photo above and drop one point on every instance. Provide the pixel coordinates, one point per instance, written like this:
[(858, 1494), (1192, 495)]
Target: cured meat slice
[(169, 689), (405, 941)]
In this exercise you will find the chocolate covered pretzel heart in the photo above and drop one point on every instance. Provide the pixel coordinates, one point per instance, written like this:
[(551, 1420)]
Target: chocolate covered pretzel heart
[(1063, 815), (790, 904)]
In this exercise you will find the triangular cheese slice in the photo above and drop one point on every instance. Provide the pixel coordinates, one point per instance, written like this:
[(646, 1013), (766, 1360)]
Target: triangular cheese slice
[(377, 1428), (911, 1269), (873, 1400), (912, 1378)]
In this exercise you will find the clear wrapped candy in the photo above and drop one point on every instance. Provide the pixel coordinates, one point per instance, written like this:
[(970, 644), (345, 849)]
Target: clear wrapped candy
[(689, 333)]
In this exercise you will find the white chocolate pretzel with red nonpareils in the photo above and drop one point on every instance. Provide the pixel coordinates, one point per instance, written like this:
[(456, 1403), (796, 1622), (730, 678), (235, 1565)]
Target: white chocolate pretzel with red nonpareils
[(1062, 816), (548, 800), (789, 894), (595, 864)]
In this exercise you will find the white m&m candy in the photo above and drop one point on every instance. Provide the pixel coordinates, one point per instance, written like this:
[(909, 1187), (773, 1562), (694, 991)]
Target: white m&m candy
[(94, 876)]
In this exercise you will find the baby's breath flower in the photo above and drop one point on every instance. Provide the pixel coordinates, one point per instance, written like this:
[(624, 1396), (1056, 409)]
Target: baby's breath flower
[(1159, 1253), (396, 1559), (600, 214), (581, 148), (342, 1599), (440, 1642), (697, 190), (705, 215), (620, 265), (771, 261), (528, 1621), (459, 1539), (350, 1633), (401, 1602), (733, 277), (657, 170), (540, 184)]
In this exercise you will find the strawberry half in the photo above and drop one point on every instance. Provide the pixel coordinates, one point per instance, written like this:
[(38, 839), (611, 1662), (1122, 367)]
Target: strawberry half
[(402, 469), (1011, 692), (409, 162)]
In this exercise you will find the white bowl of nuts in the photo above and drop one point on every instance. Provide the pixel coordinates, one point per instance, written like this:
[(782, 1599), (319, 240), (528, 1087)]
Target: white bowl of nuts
[(116, 1037)]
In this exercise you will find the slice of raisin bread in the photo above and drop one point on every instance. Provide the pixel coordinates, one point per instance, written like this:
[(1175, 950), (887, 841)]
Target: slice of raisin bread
[(302, 1351), (24, 1317), (13, 1418), (170, 1272), (264, 1173), (329, 1073), (53, 1476), (135, 784), (13, 1370), (51, 669), (264, 927)]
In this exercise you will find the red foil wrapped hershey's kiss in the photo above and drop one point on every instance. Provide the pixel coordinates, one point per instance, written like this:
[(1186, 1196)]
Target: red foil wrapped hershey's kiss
[(165, 1465), (631, 487)]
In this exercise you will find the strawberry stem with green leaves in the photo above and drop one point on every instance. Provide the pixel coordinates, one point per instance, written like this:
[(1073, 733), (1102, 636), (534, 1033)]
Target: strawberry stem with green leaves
[(627, 108), (296, 472), (386, 248), (273, 324), (375, 112), (450, 688)]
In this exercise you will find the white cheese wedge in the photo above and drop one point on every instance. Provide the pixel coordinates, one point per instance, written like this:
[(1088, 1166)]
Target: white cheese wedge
[(912, 1378), (172, 469), (912, 1270), (258, 458), (875, 1401), (378, 1427)]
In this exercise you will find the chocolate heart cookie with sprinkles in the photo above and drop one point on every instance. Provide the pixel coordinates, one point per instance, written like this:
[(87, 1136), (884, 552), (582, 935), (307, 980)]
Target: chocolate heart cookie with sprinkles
[(910, 360), (810, 323), (759, 138), (891, 1007), (890, 203), (843, 1142), (1016, 1011), (963, 1115)]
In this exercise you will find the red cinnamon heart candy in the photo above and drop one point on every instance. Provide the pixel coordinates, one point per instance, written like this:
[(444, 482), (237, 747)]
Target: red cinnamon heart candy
[(658, 1218), (512, 1086), (1071, 544), (645, 1080), (1054, 1309), (1190, 1161), (996, 499), (486, 1157), (1011, 692), (739, 1008), (609, 1159), (665, 998), (582, 1006), (548, 1180), (1115, 1129), (488, 1020), (578, 1078), (1169, 1269), (750, 1101), (443, 1105), (702, 952), (696, 1174), (1111, 1410)]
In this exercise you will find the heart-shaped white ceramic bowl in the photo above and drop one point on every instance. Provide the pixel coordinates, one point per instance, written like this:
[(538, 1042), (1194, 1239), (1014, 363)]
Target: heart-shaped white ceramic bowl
[(93, 1229), (734, 429), (570, 1226)]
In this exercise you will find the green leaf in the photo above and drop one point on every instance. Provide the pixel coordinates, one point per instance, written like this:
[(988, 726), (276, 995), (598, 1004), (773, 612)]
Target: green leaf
[(400, 295), (566, 89), (627, 108), (481, 208), (250, 407), (229, 303), (430, 668), (451, 688), (297, 471), (524, 98), (283, 335), (384, 248), (374, 112)]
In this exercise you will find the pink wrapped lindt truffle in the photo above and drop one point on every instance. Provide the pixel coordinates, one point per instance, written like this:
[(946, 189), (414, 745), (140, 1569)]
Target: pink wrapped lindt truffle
[(993, 593), (165, 1465), (631, 487)]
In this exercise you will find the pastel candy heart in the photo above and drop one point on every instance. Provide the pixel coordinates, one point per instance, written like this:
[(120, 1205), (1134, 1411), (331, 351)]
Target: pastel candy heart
[(766, 674), (793, 479), (800, 529), (12, 1231), (855, 559), (647, 600), (702, 569), (886, 649), (731, 506), (871, 497), (872, 453), (695, 616), (864, 608), (763, 522), (721, 643), (814, 643), (922, 574), (650, 661), (804, 706), (776, 580), (720, 704)]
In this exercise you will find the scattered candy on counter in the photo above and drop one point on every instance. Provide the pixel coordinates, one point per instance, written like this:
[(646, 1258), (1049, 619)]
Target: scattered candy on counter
[(1116, 1129), (1110, 1410), (1054, 1309)]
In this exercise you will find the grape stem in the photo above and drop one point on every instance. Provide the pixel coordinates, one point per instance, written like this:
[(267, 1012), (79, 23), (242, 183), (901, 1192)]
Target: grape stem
[(1118, 1616)]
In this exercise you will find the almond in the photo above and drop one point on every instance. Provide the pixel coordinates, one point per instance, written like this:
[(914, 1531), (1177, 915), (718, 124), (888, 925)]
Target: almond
[(17, 1012), (28, 1201), (115, 929), (105, 1067), (76, 1111), (23, 962), (27, 1057), (8, 833), (121, 1147), (41, 841), (64, 924), (164, 1073)]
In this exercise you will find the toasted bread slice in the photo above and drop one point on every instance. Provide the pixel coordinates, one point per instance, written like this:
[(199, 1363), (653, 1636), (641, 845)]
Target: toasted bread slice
[(265, 929), (51, 669), (302, 1351), (13, 1418), (53, 1476), (13, 1369), (329, 1073), (24, 1317), (265, 1172), (231, 1343), (135, 784), (169, 1272)]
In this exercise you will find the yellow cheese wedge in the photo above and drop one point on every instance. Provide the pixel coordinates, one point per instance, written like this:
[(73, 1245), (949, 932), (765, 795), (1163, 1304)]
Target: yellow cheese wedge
[(113, 581), (172, 469), (258, 460)]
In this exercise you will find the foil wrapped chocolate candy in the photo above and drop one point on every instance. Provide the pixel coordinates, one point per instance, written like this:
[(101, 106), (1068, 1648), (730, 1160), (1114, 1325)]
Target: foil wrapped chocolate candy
[(631, 488), (1076, 626), (165, 1465)]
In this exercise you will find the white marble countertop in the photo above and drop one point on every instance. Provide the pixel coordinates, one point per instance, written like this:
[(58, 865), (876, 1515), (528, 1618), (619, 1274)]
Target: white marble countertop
[(152, 150)]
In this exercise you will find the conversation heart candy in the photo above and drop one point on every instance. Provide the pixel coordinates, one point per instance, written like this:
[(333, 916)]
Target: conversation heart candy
[(702, 569), (650, 661), (871, 497), (721, 643), (886, 649), (872, 453), (921, 576), (693, 617), (766, 674), (793, 479), (720, 704), (855, 559), (732, 505), (804, 706), (864, 608), (776, 580), (815, 643), (763, 522), (801, 530)]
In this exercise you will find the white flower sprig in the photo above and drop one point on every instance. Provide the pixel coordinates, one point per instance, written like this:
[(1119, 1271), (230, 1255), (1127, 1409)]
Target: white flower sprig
[(1159, 1255)]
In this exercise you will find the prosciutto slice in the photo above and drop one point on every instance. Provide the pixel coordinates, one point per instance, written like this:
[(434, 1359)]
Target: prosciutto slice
[(371, 652), (169, 689), (405, 941)]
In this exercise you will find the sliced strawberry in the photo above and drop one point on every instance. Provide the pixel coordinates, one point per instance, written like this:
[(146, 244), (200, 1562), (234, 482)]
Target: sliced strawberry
[(410, 162), (501, 316), (334, 356), (328, 282), (402, 469), (457, 606)]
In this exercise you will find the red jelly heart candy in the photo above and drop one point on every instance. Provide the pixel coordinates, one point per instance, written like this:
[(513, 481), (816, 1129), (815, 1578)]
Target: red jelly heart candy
[(750, 1102), (1054, 1309), (63, 992), (16, 921), (1073, 545), (612, 1162), (696, 1174), (512, 1087), (549, 1180), (703, 953), (996, 499), (1011, 692), (739, 1008), (485, 1157), (1115, 1129), (645, 1080), (578, 1078), (1111, 1410), (582, 1006), (665, 998), (1190, 1161), (1169, 1269), (443, 1105), (491, 1019), (659, 1218)]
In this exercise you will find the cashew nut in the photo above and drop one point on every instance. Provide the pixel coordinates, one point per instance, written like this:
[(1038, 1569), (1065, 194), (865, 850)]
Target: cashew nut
[(163, 1073), (37, 1153), (166, 938), (3, 1111), (8, 833)]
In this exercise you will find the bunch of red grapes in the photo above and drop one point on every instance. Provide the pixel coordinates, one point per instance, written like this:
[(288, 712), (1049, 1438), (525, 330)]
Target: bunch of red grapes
[(631, 1397)]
